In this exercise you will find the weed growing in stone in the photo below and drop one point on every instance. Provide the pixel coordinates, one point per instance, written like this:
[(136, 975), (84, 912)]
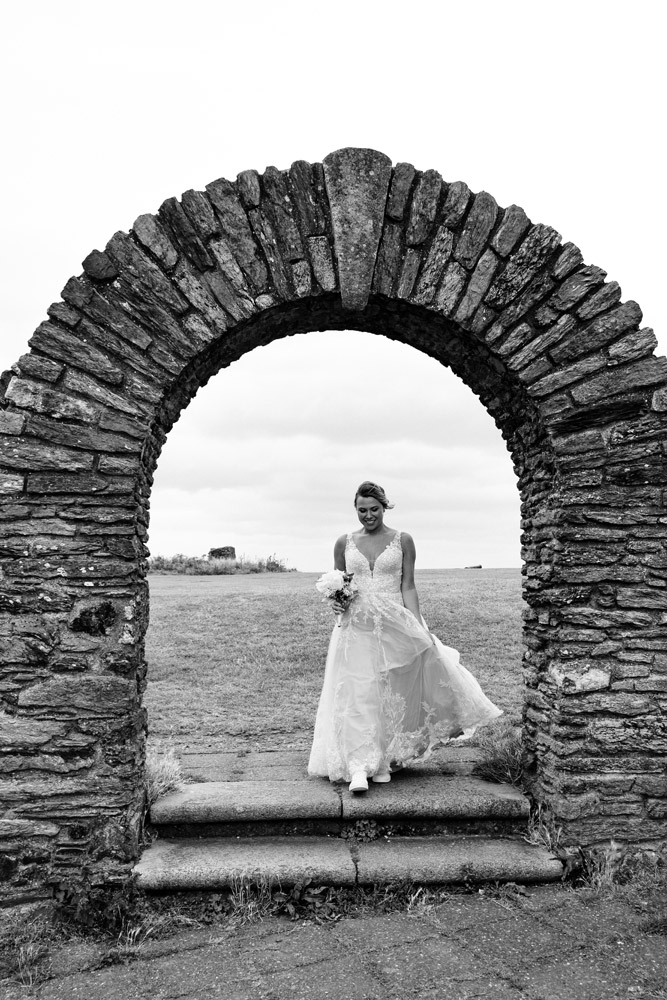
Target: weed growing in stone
[(500, 743), (163, 773), (542, 831)]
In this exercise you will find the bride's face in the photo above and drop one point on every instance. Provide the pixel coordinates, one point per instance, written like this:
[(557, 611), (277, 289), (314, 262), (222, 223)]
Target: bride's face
[(370, 512)]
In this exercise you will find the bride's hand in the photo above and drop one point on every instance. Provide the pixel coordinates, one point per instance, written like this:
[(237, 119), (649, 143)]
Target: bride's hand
[(338, 608)]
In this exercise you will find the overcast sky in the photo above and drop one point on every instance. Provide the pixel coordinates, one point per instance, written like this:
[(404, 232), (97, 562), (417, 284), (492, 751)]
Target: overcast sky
[(108, 109)]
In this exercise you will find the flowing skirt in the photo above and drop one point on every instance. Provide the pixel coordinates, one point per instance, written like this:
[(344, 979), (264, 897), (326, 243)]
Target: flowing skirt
[(392, 693)]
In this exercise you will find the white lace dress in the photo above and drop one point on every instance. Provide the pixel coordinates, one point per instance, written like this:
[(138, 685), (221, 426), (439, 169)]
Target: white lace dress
[(392, 692)]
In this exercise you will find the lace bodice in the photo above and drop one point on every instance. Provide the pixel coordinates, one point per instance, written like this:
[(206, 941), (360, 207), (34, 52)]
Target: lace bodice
[(385, 577)]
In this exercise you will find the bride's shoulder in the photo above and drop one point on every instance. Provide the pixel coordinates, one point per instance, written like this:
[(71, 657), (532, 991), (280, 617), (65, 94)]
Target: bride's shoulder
[(407, 541)]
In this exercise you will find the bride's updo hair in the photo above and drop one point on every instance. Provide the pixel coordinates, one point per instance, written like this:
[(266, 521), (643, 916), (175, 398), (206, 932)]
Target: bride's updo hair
[(369, 489)]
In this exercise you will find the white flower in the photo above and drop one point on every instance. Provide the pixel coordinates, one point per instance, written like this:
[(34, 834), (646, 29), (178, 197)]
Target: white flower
[(331, 582)]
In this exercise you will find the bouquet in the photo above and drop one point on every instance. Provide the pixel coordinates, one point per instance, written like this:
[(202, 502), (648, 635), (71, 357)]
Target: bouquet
[(338, 587)]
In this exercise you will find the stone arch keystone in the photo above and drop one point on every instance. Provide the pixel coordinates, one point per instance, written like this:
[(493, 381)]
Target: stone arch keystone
[(544, 341)]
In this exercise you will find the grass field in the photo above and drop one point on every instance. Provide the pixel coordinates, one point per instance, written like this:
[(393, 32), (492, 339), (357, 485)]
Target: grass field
[(239, 660)]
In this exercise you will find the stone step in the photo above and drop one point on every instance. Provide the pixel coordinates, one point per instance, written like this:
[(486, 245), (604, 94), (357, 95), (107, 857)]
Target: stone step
[(408, 799), (212, 864)]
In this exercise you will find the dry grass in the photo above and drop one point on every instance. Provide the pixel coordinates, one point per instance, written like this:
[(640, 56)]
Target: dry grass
[(500, 743), (240, 659), (163, 773)]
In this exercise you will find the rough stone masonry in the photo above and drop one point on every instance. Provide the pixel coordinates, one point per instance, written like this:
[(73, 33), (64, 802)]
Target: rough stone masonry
[(555, 356)]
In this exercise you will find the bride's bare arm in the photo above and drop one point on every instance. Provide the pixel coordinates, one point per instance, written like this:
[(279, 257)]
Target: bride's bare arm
[(339, 563), (339, 553), (408, 588)]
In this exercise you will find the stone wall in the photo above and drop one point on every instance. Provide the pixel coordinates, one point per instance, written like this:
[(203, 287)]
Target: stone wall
[(561, 363)]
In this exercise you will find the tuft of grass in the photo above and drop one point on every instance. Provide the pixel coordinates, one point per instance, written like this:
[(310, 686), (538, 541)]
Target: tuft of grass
[(29, 955), (163, 774), (250, 899), (26, 939), (542, 831), (500, 742), (422, 902), (601, 866)]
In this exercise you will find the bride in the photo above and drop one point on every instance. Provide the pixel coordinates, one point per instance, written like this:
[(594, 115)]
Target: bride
[(392, 692)]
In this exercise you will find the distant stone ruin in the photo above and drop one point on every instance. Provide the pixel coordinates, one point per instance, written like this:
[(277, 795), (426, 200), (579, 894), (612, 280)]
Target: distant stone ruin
[(559, 361), (225, 552)]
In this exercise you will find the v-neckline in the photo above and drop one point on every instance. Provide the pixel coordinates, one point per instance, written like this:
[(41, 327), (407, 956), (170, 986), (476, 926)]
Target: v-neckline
[(368, 563)]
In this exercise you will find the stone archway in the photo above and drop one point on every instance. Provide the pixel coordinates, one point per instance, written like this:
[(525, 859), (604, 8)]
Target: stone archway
[(560, 363)]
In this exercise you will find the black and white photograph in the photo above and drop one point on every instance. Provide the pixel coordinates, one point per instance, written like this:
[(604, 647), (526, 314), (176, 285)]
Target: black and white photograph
[(333, 501)]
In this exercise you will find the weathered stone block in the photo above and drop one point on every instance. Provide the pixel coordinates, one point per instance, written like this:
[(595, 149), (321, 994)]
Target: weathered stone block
[(64, 314), (307, 199), (184, 234), (456, 203), (266, 237), (143, 276), (478, 285), (79, 293), (58, 482), (389, 260), (599, 332), (409, 273), (301, 279), (229, 266), (514, 224), (198, 290), (568, 260), (11, 422), (322, 262), (437, 259), (99, 266), (35, 366), (199, 211), (424, 207), (357, 183), (72, 348), (568, 374), (478, 225), (153, 236), (516, 341), (18, 733), (615, 703), (249, 188), (27, 453), (580, 679), (236, 228), (78, 382), (523, 265), (451, 286), (35, 396), (576, 287), (640, 374), (277, 203), (634, 345), (601, 301), (97, 695), (399, 190)]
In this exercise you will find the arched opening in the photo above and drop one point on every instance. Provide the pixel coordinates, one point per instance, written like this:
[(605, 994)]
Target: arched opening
[(265, 458), (544, 342)]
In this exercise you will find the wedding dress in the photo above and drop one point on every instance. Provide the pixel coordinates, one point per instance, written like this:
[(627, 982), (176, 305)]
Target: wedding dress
[(392, 691)]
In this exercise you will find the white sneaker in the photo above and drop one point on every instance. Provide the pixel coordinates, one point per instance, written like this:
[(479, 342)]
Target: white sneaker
[(381, 778), (359, 782)]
